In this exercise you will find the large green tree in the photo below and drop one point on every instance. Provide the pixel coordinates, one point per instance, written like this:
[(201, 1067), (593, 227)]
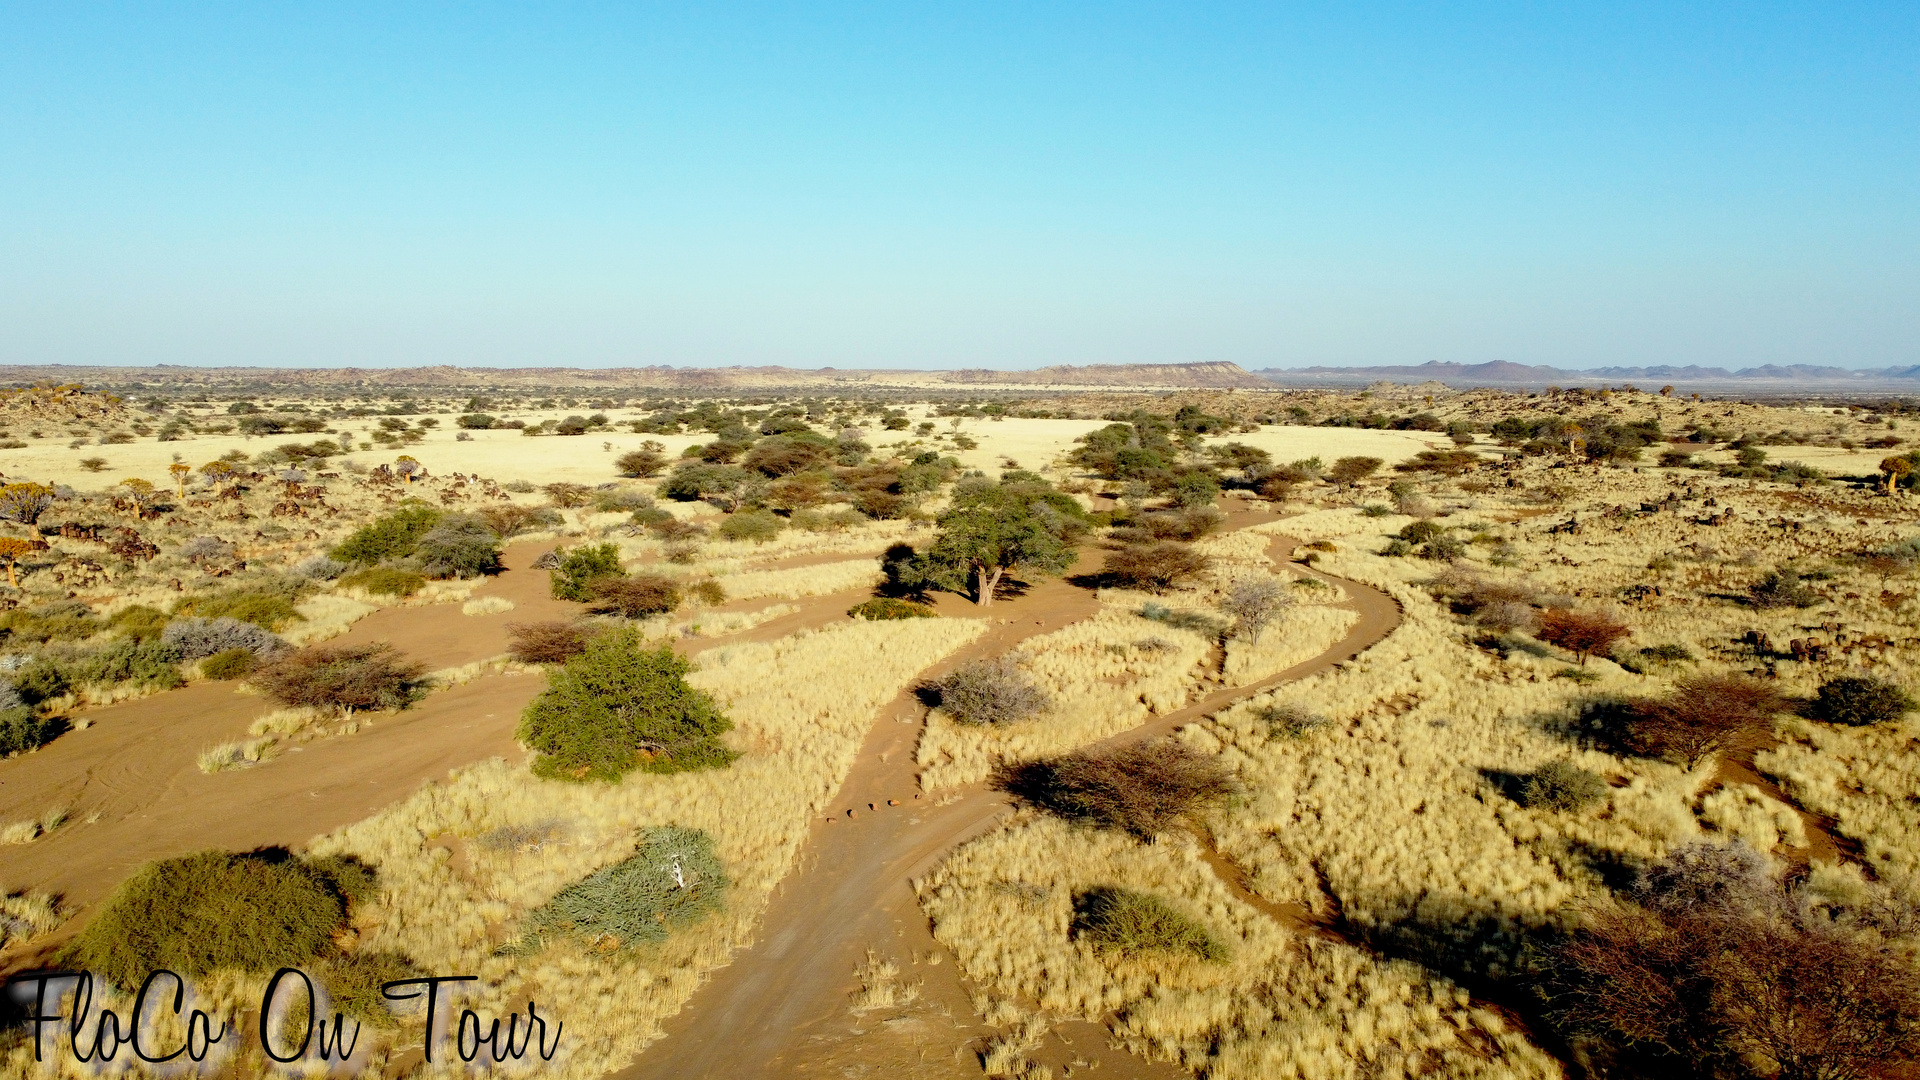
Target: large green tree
[(623, 704), (1021, 523)]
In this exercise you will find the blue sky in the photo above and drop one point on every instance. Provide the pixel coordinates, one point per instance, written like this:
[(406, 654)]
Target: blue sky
[(959, 184)]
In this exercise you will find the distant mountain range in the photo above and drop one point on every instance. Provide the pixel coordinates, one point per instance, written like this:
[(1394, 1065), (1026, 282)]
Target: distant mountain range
[(1691, 376), (1772, 378)]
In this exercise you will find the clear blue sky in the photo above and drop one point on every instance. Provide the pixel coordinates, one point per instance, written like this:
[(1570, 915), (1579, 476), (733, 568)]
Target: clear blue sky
[(942, 185)]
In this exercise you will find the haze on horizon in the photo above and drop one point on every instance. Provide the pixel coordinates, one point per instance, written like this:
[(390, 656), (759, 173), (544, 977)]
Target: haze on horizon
[(993, 185)]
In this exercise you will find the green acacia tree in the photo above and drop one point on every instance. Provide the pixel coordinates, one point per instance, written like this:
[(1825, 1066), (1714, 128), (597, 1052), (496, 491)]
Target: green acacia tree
[(1021, 523)]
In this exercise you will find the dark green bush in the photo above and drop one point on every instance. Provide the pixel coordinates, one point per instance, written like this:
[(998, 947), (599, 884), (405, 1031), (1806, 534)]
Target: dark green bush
[(1561, 785), (41, 680), (1860, 700), (882, 608), (1782, 588), (391, 537), (386, 581), (459, 546), (147, 663), (579, 568), (213, 911), (673, 879), (708, 591), (21, 729), (618, 706), (1135, 923), (231, 664)]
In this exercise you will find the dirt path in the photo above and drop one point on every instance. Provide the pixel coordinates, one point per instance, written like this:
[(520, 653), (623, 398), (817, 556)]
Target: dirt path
[(781, 1008)]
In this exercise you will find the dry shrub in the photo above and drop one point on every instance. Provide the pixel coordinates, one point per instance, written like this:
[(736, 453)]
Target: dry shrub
[(343, 677), (1253, 604), (1716, 963), (635, 597), (882, 608), (1702, 715), (990, 692), (1583, 633), (549, 642), (1562, 785), (228, 664), (511, 519), (1140, 790), (1136, 923), (1155, 567)]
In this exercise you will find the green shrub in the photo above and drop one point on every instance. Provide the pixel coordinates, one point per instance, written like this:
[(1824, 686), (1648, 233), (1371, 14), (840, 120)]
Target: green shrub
[(821, 521), (270, 607), (1860, 700), (391, 537), (620, 705), (579, 568), (1134, 923), (882, 608), (673, 879), (758, 526), (212, 911), (21, 729), (41, 680), (139, 621), (1561, 785), (147, 663), (386, 581), (460, 546), (230, 664), (342, 677), (708, 591), (66, 620)]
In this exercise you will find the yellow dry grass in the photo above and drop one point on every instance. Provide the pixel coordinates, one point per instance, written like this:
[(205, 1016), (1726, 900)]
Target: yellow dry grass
[(799, 736)]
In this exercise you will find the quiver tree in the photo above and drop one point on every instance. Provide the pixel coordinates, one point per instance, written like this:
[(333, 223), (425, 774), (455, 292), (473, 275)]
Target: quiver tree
[(141, 495), (218, 471), (1895, 469), (180, 471), (1023, 525), (408, 468), (12, 550), (24, 503)]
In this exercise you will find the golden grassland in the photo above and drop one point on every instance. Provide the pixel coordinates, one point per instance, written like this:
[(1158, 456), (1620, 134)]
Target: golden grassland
[(452, 889)]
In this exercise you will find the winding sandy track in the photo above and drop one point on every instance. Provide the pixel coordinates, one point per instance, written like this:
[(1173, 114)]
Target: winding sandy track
[(780, 1009)]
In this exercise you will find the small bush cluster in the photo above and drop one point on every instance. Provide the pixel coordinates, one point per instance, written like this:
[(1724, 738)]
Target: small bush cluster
[(883, 608), (1155, 567), (343, 677), (1561, 785), (229, 664), (672, 880), (635, 597), (268, 604), (577, 570), (392, 537), (195, 638), (1140, 790), (1136, 924), (393, 581), (990, 692), (551, 642), (458, 546), (1859, 701), (758, 526), (21, 729)]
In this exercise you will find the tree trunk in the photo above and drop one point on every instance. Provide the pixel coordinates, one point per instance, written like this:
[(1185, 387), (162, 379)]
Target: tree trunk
[(985, 584), (11, 580)]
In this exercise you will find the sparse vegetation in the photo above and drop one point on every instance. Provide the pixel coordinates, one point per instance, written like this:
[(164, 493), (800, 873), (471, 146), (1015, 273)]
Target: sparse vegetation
[(342, 677), (1135, 924), (1140, 790), (990, 692)]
